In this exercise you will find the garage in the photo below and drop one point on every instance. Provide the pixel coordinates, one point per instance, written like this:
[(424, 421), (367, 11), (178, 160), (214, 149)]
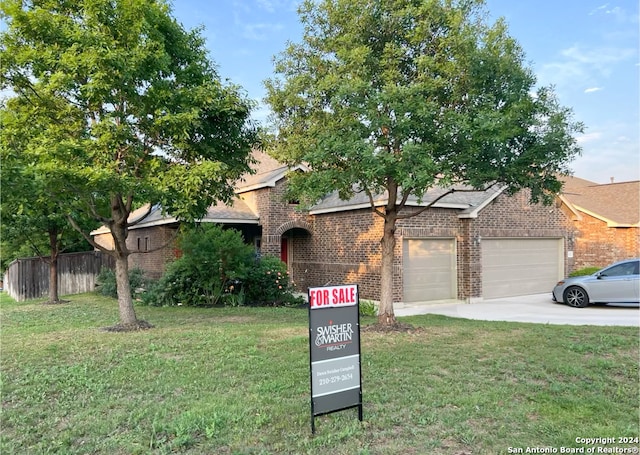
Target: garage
[(513, 267), (429, 269)]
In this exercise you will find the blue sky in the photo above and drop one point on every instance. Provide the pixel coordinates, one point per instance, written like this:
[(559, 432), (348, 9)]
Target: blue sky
[(586, 49)]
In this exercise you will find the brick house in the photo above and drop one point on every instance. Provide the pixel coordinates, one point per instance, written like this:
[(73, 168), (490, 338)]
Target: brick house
[(470, 245), (607, 221)]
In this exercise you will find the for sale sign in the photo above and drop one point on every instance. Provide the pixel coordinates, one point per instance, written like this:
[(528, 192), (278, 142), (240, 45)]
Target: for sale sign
[(334, 349)]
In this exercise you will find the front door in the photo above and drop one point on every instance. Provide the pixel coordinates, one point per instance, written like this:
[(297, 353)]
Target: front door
[(284, 250)]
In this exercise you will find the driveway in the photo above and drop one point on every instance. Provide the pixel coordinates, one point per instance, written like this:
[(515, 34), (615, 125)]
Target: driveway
[(538, 308)]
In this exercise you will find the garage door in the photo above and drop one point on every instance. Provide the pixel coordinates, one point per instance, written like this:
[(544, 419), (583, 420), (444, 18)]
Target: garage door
[(520, 266), (429, 269)]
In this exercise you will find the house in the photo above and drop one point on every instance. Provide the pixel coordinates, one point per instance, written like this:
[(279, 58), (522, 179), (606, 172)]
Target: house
[(470, 245), (607, 222)]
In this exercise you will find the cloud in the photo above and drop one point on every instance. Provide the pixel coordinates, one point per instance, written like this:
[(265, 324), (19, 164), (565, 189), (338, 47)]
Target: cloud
[(584, 65), (260, 31), (588, 137), (599, 9), (593, 89)]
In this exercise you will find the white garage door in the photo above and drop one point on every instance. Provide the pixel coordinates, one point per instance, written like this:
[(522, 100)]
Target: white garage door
[(520, 266), (429, 269)]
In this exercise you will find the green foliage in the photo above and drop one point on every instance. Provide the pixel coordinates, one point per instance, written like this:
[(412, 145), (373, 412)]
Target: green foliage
[(213, 261), (267, 281), (106, 282), (218, 268), (368, 308), (585, 271)]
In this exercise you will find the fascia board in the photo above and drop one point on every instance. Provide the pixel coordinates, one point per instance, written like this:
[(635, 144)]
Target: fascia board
[(475, 212)]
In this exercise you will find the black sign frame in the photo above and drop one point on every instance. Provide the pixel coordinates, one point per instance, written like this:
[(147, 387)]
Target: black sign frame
[(335, 367)]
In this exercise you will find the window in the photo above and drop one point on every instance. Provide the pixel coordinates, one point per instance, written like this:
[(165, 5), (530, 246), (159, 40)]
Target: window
[(628, 268)]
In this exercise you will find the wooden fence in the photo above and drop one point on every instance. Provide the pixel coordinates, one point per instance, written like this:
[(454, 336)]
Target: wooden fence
[(28, 278)]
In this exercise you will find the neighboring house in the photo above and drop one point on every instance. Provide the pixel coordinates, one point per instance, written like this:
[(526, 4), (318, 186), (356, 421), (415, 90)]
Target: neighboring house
[(470, 245), (608, 221)]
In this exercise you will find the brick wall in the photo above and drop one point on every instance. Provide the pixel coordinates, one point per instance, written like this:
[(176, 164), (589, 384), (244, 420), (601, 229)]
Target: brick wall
[(151, 249), (345, 246), (598, 245)]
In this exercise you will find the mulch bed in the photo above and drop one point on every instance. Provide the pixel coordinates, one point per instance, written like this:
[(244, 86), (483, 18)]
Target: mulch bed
[(136, 326)]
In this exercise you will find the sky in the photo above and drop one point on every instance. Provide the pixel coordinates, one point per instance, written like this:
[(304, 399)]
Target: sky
[(586, 49)]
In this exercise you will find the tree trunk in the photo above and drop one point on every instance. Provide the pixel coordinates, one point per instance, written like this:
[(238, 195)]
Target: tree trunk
[(53, 268), (125, 302), (386, 315), (119, 232)]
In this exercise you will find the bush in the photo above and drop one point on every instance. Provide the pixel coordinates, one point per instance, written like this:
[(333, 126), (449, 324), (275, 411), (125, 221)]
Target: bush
[(368, 308), (213, 263), (585, 271), (267, 282), (218, 268), (106, 282)]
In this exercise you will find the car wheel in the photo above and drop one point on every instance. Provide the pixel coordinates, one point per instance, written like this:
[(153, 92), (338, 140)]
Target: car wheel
[(576, 297)]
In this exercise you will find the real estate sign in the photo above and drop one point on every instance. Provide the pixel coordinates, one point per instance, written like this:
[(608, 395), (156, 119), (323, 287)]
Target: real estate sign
[(334, 349)]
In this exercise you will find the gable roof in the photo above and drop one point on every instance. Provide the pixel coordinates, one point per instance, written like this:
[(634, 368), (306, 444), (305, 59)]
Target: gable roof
[(266, 172), (464, 198), (617, 204)]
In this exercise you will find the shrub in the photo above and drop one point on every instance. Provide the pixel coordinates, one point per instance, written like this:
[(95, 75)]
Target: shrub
[(585, 271), (106, 282), (218, 268), (213, 263), (368, 308), (267, 282)]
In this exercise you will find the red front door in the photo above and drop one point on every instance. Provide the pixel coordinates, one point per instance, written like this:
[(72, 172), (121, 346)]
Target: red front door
[(284, 250)]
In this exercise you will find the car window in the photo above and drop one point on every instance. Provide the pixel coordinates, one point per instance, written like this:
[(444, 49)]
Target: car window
[(628, 268)]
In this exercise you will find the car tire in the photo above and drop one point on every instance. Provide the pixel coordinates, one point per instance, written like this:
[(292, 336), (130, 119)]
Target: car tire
[(576, 297)]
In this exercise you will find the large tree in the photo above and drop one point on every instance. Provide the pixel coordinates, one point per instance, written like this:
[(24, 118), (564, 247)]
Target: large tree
[(129, 108), (394, 97)]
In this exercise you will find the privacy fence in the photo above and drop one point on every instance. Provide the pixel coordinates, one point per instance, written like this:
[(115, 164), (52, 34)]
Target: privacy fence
[(77, 272)]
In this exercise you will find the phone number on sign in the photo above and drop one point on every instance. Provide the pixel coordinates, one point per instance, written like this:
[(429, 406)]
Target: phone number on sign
[(337, 378)]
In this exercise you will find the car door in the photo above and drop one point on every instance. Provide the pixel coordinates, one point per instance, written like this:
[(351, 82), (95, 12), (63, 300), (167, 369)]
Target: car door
[(618, 283)]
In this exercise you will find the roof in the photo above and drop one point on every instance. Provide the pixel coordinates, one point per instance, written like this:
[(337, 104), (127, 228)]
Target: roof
[(463, 198), (617, 204), (266, 172), (236, 213)]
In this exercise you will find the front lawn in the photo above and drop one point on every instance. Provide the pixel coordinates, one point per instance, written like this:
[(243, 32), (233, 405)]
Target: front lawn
[(236, 381)]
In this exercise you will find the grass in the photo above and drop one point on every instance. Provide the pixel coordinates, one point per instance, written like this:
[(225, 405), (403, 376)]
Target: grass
[(236, 381)]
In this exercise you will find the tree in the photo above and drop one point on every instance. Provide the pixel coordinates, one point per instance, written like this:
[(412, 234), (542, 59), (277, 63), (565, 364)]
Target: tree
[(129, 110), (391, 97), (32, 223)]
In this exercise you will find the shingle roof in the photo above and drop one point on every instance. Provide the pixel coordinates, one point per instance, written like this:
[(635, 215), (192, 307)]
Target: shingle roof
[(464, 198), (618, 204), (267, 171)]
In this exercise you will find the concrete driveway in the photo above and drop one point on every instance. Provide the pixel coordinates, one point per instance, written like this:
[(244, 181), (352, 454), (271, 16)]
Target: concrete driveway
[(538, 308)]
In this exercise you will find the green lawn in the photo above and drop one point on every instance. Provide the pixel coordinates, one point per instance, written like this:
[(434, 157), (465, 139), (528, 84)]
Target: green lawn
[(236, 381)]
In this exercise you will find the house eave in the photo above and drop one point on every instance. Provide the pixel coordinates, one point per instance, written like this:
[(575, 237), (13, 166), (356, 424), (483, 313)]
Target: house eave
[(382, 203), (476, 211), (271, 183), (610, 223)]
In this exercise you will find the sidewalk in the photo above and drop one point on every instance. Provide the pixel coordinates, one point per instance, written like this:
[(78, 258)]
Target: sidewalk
[(538, 308)]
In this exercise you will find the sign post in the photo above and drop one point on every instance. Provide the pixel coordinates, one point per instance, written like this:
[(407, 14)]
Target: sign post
[(334, 350)]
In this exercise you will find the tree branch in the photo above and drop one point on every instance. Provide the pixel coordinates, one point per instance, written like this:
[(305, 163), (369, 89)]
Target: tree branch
[(88, 238)]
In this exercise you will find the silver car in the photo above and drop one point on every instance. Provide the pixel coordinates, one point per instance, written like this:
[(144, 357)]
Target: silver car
[(617, 283)]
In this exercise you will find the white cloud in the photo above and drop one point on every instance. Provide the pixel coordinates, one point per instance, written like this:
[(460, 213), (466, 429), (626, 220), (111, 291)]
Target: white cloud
[(599, 9), (260, 31), (583, 65), (593, 89), (588, 137)]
